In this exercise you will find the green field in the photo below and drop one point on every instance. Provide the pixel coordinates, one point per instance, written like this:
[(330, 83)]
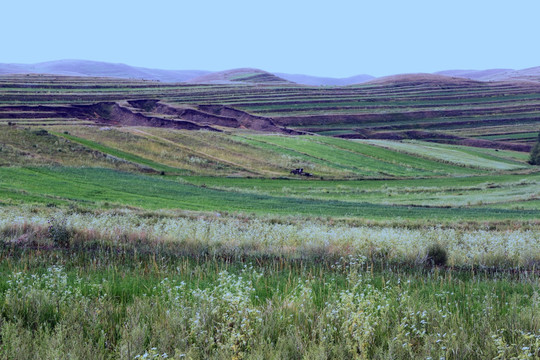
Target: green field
[(100, 187), (250, 173), (459, 155)]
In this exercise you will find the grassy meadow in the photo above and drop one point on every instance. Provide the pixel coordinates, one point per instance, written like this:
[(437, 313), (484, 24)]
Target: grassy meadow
[(169, 284), (134, 242)]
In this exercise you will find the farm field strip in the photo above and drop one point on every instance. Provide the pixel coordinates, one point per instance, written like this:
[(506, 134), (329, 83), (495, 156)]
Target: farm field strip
[(246, 91), (187, 152), (477, 120), (392, 155), (127, 156), (498, 129), (448, 154), (316, 154), (521, 135), (365, 158), (515, 190), (99, 187), (249, 99), (197, 152), (307, 105), (505, 156), (204, 152), (184, 152)]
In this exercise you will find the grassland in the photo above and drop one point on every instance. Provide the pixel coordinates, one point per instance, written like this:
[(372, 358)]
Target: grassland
[(112, 284), (129, 242), (170, 169)]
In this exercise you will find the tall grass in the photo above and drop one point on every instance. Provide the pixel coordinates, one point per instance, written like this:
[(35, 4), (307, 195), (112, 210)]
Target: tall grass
[(181, 308), (124, 284), (215, 234)]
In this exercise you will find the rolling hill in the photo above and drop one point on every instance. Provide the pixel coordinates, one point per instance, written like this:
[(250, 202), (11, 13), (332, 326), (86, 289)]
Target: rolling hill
[(122, 71), (239, 76), (421, 79), (498, 115), (530, 74), (480, 75), (325, 81), (103, 69), (100, 69)]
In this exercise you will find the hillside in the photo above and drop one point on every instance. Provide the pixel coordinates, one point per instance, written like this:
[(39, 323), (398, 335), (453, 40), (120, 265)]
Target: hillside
[(241, 171), (420, 79), (239, 76), (325, 81), (501, 115), (100, 69), (88, 68), (122, 71), (480, 75), (530, 74), (210, 152)]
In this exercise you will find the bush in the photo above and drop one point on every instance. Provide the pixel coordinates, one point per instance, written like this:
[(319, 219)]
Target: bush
[(534, 158), (437, 255), (59, 232), (41, 132)]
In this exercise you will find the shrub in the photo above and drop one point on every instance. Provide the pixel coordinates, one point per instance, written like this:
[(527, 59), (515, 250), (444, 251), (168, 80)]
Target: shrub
[(437, 255), (59, 232), (534, 158), (41, 132)]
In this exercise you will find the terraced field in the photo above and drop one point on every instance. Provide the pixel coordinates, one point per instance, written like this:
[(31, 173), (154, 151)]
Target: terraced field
[(503, 115)]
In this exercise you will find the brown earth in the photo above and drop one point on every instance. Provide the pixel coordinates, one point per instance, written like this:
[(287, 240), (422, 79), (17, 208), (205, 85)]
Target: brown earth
[(151, 113), (247, 120), (188, 113), (213, 115)]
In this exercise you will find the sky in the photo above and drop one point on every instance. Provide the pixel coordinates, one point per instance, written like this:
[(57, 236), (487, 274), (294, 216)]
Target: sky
[(324, 38)]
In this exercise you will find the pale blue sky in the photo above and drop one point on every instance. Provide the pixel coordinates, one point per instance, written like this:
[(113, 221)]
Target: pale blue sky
[(325, 38)]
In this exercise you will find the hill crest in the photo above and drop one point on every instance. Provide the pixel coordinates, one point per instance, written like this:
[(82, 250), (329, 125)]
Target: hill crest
[(422, 78), (88, 68), (241, 75)]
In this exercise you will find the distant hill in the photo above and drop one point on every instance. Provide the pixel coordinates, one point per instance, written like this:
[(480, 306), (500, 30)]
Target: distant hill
[(530, 74), (482, 75), (252, 76), (100, 69), (325, 81), (244, 75), (419, 79), (104, 69)]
